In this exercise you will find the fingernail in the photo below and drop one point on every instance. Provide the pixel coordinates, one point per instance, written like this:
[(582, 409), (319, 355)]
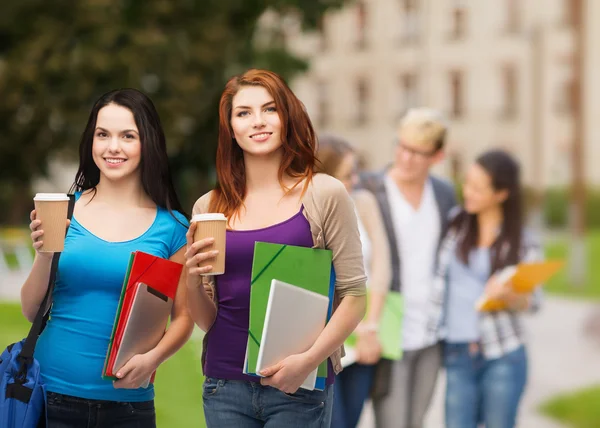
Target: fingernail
[(215, 252), (119, 375)]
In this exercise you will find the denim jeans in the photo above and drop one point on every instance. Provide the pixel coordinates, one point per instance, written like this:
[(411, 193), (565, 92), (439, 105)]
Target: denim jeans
[(352, 387), (480, 390), (242, 404), (64, 411)]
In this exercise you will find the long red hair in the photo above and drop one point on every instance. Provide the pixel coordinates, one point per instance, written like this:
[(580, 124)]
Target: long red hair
[(297, 136)]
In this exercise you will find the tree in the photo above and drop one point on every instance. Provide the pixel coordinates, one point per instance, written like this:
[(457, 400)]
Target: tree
[(57, 57)]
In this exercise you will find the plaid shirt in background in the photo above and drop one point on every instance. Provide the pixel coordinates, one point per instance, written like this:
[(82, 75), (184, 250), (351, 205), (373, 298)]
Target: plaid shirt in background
[(500, 332)]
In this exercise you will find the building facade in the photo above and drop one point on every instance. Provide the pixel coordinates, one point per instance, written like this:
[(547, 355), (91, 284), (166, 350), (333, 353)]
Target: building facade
[(500, 69)]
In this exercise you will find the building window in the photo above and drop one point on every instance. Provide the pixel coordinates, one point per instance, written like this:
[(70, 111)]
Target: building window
[(410, 22), (513, 16), (459, 21), (457, 97), (510, 91), (361, 22), (408, 93), (362, 101), (323, 104)]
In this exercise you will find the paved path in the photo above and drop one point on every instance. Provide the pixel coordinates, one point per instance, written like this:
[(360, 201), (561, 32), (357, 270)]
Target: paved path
[(562, 359)]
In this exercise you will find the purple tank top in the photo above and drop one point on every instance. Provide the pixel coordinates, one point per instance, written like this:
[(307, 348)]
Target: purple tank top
[(227, 338)]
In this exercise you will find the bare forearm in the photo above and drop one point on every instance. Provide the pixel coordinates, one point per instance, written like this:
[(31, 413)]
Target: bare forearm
[(343, 322), (35, 287), (376, 304), (175, 337), (202, 308)]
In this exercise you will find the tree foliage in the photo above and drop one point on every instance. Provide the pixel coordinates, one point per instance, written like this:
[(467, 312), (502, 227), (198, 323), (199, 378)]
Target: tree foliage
[(57, 57)]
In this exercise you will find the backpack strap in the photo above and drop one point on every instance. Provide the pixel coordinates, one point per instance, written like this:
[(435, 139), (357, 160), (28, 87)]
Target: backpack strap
[(41, 318)]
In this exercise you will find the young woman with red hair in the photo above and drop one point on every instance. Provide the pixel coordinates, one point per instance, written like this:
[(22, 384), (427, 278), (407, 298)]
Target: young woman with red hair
[(268, 190)]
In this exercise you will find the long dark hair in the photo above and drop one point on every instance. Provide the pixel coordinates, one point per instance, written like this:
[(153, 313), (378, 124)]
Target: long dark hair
[(504, 172), (154, 164)]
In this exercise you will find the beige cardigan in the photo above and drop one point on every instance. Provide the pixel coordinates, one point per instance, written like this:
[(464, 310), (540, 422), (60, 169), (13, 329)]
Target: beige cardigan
[(380, 269), (332, 218)]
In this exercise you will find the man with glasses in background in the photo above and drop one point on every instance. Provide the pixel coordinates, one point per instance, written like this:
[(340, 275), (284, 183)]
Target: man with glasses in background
[(415, 206)]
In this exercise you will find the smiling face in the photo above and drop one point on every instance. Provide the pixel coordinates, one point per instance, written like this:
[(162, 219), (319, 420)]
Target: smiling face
[(413, 161), (255, 122), (479, 192), (117, 149)]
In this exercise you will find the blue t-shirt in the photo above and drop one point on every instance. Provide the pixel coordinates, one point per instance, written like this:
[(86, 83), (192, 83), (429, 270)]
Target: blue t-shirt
[(72, 349)]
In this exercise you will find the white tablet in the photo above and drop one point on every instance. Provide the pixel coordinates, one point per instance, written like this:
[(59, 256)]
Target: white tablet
[(294, 320), (146, 325)]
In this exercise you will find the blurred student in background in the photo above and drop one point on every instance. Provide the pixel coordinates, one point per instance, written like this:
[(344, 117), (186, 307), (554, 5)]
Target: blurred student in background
[(484, 352), (415, 207), (337, 158)]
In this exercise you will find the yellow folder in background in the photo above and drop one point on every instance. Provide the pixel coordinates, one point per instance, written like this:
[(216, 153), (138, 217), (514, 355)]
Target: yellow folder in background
[(524, 277)]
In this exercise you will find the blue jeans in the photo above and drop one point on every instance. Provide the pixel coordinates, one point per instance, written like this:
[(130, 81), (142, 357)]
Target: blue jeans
[(352, 387), (242, 404), (480, 390), (64, 411)]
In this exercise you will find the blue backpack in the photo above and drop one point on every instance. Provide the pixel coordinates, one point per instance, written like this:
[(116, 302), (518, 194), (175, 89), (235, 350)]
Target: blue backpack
[(22, 392)]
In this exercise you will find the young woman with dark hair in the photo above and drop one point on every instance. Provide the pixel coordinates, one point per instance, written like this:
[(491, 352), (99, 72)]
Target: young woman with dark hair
[(269, 191), (484, 352), (125, 202)]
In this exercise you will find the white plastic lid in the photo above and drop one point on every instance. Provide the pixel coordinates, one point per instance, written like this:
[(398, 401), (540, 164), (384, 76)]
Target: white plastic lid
[(51, 197), (209, 217)]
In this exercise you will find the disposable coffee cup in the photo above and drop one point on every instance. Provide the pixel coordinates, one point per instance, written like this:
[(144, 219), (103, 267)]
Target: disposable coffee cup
[(52, 209), (212, 225)]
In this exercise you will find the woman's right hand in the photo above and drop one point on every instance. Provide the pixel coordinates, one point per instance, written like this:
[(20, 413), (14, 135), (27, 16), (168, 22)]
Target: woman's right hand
[(36, 235), (195, 254)]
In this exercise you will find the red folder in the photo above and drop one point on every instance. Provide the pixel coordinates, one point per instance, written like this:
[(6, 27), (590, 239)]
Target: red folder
[(160, 274)]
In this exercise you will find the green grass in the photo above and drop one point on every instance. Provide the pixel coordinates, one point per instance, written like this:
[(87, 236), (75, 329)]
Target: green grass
[(11, 260), (560, 284), (178, 381), (13, 325), (179, 389), (577, 410)]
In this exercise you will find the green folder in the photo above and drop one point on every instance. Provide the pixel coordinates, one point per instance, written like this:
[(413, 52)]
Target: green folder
[(390, 327), (300, 266)]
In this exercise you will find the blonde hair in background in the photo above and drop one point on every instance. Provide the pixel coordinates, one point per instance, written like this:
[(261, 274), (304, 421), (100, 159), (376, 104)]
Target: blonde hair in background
[(423, 126)]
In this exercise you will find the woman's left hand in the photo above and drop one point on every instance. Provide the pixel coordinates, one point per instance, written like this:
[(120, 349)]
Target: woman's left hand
[(505, 292), (136, 371), (289, 374), (497, 290)]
